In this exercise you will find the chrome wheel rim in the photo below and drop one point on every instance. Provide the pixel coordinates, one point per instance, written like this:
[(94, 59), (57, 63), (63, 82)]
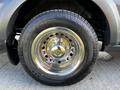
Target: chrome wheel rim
[(58, 51)]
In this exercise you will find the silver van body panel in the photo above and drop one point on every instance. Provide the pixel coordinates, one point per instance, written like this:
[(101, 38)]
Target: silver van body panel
[(118, 7), (111, 9), (7, 9)]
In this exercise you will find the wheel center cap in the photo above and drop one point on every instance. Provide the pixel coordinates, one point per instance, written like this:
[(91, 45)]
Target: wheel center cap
[(58, 51)]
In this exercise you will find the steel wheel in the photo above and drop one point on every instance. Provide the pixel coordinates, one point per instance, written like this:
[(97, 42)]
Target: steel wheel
[(58, 51)]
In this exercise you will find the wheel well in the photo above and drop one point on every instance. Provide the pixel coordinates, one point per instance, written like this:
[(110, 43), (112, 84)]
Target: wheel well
[(89, 10)]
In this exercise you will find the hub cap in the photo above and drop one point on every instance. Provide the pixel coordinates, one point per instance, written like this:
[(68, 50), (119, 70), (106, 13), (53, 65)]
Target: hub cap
[(58, 51)]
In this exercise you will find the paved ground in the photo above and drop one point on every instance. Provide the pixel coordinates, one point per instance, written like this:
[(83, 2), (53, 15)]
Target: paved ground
[(105, 76)]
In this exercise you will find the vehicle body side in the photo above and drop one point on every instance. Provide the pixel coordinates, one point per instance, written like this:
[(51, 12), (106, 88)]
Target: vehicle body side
[(9, 10)]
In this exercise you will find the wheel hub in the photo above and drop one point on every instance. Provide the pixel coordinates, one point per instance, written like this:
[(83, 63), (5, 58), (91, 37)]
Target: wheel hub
[(57, 46), (58, 51)]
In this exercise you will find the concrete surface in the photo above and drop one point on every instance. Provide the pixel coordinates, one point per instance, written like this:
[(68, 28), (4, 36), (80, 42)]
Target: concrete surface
[(105, 76)]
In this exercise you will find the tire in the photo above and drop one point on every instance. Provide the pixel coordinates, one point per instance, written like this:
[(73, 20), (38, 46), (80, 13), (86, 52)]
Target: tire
[(54, 18)]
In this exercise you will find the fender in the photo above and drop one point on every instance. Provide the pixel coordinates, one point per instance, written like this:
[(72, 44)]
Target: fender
[(8, 13), (9, 9), (110, 9)]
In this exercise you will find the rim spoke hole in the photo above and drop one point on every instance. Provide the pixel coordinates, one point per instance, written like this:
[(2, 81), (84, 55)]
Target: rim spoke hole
[(43, 47), (66, 36), (47, 38), (51, 35), (59, 62), (71, 54), (70, 40), (50, 59), (56, 34), (46, 56), (44, 42), (67, 58)]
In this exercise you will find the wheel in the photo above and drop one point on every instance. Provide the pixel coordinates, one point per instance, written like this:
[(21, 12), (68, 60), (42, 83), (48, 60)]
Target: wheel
[(58, 47)]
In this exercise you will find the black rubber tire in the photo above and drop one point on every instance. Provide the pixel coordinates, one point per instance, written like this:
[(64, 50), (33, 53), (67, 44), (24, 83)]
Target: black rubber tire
[(58, 18)]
